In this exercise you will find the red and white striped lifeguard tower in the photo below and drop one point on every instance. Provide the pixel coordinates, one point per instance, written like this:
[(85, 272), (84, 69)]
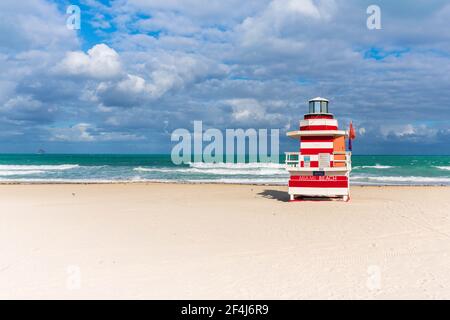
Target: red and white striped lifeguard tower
[(322, 167)]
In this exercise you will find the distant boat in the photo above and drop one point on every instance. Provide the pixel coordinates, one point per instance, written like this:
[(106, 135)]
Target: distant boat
[(41, 151)]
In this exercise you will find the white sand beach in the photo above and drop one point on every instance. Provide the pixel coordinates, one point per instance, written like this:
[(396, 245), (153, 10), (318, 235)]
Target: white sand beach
[(175, 241)]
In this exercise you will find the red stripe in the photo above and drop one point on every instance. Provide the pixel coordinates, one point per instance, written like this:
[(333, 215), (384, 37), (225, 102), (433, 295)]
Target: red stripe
[(314, 164), (318, 116), (318, 184), (308, 128), (323, 178), (317, 139), (309, 152)]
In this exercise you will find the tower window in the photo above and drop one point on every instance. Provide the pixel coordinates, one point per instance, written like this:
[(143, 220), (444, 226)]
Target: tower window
[(318, 107)]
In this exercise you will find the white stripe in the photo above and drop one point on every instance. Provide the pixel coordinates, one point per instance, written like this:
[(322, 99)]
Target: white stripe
[(316, 145), (319, 191), (319, 122)]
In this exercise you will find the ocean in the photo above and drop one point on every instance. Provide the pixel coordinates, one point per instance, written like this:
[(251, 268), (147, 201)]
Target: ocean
[(367, 170)]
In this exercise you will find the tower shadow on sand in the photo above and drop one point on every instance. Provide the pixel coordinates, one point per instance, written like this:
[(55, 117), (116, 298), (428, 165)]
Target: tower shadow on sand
[(282, 196)]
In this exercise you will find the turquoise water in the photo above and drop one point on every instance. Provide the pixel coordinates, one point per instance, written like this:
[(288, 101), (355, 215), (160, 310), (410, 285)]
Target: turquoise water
[(367, 170)]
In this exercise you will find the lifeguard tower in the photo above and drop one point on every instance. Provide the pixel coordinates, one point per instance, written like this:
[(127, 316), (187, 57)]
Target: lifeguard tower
[(322, 167)]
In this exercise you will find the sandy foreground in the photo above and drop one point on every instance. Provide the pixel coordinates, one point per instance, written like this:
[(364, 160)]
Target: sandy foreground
[(163, 241)]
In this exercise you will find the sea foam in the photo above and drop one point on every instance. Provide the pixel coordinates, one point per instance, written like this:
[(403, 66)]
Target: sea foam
[(377, 166), (253, 169), (443, 167), (412, 180), (19, 172), (38, 167), (228, 165)]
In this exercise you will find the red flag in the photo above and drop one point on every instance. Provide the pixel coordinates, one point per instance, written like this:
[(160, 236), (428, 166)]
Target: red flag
[(351, 136), (351, 132)]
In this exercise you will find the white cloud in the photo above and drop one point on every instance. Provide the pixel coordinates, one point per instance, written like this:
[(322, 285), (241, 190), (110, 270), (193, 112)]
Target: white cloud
[(33, 24), (85, 132), (408, 131), (212, 12), (22, 102), (251, 111), (246, 109), (281, 8), (78, 132), (281, 17), (25, 108), (158, 74), (133, 84), (362, 131), (100, 62), (168, 22)]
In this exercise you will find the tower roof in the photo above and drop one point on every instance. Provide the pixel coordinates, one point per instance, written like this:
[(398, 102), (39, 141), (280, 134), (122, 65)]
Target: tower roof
[(318, 99)]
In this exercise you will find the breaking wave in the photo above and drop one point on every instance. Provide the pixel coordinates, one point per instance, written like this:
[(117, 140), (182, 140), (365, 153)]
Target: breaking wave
[(377, 166), (252, 169), (443, 167), (38, 167), (227, 165), (19, 173), (411, 180)]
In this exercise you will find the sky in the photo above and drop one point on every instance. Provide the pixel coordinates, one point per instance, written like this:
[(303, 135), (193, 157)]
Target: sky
[(136, 70)]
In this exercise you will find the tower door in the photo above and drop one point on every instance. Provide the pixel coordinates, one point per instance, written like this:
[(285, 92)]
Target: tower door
[(324, 160)]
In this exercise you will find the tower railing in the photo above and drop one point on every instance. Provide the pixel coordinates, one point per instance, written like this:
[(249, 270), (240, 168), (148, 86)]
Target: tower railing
[(347, 158), (294, 159)]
